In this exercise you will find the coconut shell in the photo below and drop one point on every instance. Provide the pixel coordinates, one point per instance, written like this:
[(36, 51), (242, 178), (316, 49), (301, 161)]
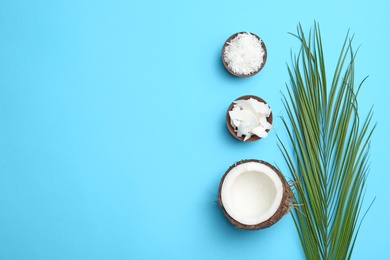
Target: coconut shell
[(283, 209), (231, 128), (227, 65)]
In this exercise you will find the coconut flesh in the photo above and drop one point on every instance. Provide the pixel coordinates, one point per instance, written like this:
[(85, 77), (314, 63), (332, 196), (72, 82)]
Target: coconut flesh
[(253, 194), (250, 117), (244, 54)]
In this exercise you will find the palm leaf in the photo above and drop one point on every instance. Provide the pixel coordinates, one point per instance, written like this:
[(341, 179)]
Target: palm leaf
[(328, 148)]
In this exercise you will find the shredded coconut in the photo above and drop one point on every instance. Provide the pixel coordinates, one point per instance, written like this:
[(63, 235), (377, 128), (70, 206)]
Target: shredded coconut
[(249, 117), (244, 54)]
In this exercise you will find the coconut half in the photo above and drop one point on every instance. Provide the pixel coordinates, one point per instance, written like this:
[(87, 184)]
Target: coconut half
[(253, 194)]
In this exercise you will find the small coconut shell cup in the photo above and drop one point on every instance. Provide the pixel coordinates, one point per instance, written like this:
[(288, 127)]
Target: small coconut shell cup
[(253, 194), (226, 64), (232, 130)]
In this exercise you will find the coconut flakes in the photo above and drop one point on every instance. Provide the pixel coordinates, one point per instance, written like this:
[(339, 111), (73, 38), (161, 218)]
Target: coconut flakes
[(244, 54), (249, 117)]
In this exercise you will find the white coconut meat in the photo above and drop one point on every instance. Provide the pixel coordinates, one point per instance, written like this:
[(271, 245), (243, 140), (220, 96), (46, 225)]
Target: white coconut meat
[(244, 54), (251, 193), (249, 117)]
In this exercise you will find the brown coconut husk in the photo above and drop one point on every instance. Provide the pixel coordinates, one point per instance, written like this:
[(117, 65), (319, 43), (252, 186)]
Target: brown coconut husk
[(281, 211)]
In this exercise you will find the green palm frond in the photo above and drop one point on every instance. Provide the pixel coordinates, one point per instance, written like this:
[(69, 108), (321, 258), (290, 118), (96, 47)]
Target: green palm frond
[(328, 149)]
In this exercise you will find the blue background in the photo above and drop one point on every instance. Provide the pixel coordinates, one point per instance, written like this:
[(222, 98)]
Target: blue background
[(112, 131)]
